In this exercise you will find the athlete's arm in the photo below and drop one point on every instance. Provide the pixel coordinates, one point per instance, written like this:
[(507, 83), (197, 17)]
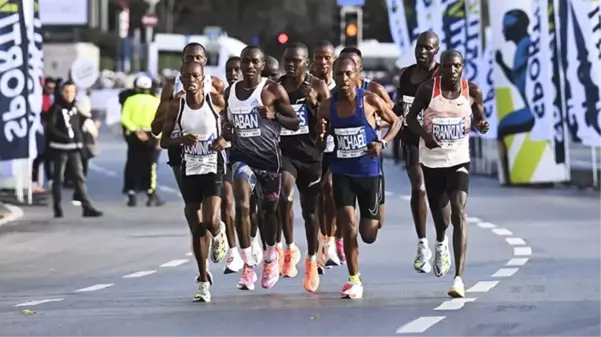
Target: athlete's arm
[(478, 108), (398, 108), (421, 101), (217, 85), (385, 112), (227, 126), (170, 119), (379, 90), (322, 116), (285, 114), (321, 88), (159, 117)]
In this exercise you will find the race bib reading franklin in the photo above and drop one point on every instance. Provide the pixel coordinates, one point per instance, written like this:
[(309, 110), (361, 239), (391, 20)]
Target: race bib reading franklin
[(449, 131)]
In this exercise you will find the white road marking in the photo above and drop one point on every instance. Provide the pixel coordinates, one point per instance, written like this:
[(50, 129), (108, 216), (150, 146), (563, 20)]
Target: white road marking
[(486, 225), (473, 220), (502, 232), (140, 274), (482, 287), (388, 193), (505, 272), (174, 263), (32, 303), (522, 251), (520, 261), (420, 325), (406, 197), (515, 241), (189, 254), (95, 287), (14, 213), (454, 304), (168, 189)]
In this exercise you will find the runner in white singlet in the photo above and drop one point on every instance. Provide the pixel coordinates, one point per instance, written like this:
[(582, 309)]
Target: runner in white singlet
[(448, 102)]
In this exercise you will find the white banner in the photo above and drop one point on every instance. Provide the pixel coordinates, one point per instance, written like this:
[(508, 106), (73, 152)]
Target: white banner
[(398, 25), (424, 10), (582, 65), (538, 73), (486, 83)]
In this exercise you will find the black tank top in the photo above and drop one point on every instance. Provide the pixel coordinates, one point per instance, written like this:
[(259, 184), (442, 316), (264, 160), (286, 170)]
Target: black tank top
[(300, 145), (407, 89)]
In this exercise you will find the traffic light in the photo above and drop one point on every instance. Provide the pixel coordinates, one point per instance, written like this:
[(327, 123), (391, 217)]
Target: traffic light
[(352, 30), (282, 38)]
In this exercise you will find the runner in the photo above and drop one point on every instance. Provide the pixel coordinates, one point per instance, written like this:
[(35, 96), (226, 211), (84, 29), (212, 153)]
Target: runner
[(254, 125), (410, 78), (356, 170), (203, 166), (234, 262), (449, 101), (272, 68), (301, 161)]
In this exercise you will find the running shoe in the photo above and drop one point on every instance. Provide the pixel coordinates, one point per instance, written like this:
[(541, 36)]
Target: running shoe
[(422, 259), (219, 245), (352, 290), (248, 279), (311, 282), (340, 251), (203, 293), (457, 289), (291, 259), (442, 258)]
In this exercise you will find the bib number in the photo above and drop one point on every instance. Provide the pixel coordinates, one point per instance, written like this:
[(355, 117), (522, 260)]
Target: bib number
[(301, 114), (407, 102), (450, 131)]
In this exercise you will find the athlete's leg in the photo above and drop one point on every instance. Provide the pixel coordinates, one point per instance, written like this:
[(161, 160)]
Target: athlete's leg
[(382, 196), (457, 188), (334, 244), (292, 254), (440, 208), (244, 183), (368, 192), (309, 186), (211, 215), (257, 243), (234, 262), (345, 198), (271, 184)]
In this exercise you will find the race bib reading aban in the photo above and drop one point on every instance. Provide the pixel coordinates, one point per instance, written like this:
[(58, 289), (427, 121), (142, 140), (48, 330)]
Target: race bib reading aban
[(246, 123), (351, 142)]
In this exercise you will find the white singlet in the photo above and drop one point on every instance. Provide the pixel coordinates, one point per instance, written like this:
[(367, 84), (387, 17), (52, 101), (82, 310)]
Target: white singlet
[(450, 122), (201, 159), (178, 87)]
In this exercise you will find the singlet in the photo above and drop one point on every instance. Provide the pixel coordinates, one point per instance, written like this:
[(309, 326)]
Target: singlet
[(407, 90), (256, 140), (450, 122), (352, 136), (330, 146), (300, 144), (201, 159), (178, 86)]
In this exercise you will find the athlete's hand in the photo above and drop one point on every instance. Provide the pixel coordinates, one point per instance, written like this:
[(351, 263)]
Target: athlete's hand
[(228, 129), (310, 93), (219, 144), (142, 135), (189, 139), (375, 148), (482, 126), (431, 142), (322, 127), (265, 113)]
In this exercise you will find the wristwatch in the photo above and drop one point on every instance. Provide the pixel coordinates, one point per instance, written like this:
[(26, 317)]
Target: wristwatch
[(384, 143)]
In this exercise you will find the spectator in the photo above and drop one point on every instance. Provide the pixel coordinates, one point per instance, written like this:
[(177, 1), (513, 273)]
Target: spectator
[(90, 133), (65, 143)]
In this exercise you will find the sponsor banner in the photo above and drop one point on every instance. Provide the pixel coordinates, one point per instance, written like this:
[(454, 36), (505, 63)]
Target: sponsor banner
[(558, 103), (516, 31), (36, 76), (398, 25), (486, 83)]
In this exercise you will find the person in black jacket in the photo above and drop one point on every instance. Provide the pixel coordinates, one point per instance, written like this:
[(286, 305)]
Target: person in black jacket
[(65, 142)]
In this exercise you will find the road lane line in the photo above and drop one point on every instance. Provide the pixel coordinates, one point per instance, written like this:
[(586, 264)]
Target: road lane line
[(189, 254), (520, 261), (140, 274), (32, 303), (515, 241), (420, 325), (454, 304), (502, 232), (473, 220), (522, 251), (482, 286), (486, 225), (174, 263), (95, 287), (505, 272)]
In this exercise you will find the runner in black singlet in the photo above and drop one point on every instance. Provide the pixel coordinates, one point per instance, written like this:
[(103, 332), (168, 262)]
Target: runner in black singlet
[(301, 161), (410, 79)]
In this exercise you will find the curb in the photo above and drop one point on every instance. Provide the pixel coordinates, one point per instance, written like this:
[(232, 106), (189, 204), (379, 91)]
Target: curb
[(14, 213)]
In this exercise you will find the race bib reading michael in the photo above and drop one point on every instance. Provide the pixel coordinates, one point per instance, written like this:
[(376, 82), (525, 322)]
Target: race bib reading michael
[(449, 131), (351, 142), (201, 158), (246, 122), (407, 102), (301, 113)]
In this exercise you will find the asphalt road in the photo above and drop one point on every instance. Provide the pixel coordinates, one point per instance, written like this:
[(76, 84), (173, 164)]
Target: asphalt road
[(533, 269)]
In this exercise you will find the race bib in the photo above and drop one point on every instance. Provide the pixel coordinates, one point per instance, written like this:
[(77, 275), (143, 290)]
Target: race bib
[(301, 114), (450, 131), (352, 142), (246, 122), (201, 158), (407, 102)]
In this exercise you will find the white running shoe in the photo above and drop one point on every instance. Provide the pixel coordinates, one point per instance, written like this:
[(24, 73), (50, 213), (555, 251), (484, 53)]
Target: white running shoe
[(203, 293), (352, 290), (234, 262), (422, 259), (332, 258), (442, 258), (219, 245), (457, 289)]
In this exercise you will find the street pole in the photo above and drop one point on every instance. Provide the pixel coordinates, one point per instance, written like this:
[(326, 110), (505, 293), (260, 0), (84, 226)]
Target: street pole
[(152, 6)]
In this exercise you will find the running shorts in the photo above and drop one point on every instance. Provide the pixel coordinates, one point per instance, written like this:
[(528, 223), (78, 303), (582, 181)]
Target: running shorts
[(174, 153), (307, 175), (366, 191), (410, 147), (325, 163), (382, 185), (197, 188), (270, 183), (442, 182)]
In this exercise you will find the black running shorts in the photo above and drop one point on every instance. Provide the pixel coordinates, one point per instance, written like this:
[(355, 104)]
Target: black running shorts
[(366, 191), (174, 153), (270, 182), (197, 188), (307, 175), (410, 147), (442, 182)]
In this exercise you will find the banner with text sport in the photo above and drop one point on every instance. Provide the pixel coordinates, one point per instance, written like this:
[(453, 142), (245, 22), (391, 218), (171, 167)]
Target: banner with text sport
[(523, 91)]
